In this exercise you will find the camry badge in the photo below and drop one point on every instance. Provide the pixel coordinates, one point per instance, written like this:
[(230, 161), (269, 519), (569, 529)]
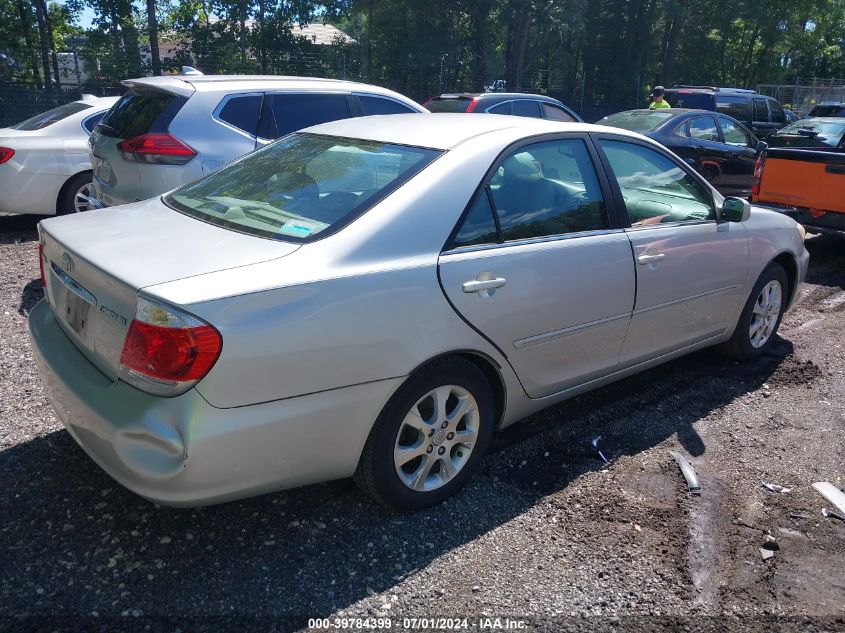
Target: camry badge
[(67, 262)]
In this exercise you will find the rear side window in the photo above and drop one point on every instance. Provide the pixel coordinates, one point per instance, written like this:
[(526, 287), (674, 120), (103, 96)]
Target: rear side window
[(734, 106), (478, 227), (378, 105), (704, 129), (548, 188), (526, 107), (40, 121), (242, 113), (91, 122), (440, 104), (761, 113), (556, 113), (502, 108), (286, 113), (300, 187), (690, 99), (138, 113)]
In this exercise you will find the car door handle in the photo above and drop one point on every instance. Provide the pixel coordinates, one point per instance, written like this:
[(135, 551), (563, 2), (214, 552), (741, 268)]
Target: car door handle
[(651, 258), (478, 285)]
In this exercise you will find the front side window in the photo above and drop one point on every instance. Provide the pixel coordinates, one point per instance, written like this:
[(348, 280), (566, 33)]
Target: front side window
[(704, 129), (655, 189), (45, 119), (776, 112), (526, 107), (734, 135), (548, 188), (301, 186), (286, 113)]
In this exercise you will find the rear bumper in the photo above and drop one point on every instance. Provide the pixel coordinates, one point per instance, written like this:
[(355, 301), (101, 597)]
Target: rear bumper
[(184, 452), (830, 223)]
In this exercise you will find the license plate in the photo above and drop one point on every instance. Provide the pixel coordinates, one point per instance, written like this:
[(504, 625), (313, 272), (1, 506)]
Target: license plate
[(76, 312)]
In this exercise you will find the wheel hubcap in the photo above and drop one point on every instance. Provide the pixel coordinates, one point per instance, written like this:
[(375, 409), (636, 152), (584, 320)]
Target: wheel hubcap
[(436, 438), (765, 313), (81, 199)]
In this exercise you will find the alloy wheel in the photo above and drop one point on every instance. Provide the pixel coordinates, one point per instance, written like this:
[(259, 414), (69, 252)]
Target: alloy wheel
[(765, 313), (436, 438), (81, 199)]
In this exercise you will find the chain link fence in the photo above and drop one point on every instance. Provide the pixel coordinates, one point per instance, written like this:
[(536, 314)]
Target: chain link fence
[(802, 95), (414, 78)]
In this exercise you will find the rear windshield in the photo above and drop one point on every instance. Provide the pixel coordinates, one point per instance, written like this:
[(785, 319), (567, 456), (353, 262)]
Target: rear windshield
[(300, 186), (637, 120), (138, 113), (689, 99), (454, 104), (826, 132), (40, 121), (828, 110)]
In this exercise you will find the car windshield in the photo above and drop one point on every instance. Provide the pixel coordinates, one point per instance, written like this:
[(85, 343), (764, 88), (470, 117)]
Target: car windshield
[(827, 132), (40, 121), (301, 186), (637, 120)]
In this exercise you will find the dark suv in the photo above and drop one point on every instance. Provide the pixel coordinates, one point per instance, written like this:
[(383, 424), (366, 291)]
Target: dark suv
[(762, 115), (516, 103)]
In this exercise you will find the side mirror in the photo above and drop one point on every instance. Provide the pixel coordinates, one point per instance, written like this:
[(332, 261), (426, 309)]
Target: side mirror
[(761, 147), (734, 210)]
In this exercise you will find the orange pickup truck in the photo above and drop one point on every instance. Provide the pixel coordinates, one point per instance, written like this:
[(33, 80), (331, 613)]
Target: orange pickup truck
[(804, 184)]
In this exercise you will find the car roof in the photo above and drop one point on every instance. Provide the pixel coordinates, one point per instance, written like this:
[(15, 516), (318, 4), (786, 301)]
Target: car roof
[(98, 102), (186, 85), (445, 131), (497, 95)]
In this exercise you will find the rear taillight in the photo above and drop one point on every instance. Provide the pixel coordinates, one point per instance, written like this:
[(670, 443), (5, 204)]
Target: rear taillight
[(472, 104), (158, 148), (5, 154), (167, 350), (41, 264), (758, 176)]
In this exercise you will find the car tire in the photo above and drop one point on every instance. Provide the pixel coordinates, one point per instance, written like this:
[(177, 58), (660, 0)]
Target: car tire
[(435, 448), (70, 199), (760, 316)]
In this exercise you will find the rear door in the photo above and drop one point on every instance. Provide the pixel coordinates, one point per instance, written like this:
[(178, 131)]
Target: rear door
[(286, 112), (540, 267), (761, 124), (138, 112), (691, 271)]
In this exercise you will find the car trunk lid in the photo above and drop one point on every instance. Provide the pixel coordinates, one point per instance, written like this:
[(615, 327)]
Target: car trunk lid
[(95, 264)]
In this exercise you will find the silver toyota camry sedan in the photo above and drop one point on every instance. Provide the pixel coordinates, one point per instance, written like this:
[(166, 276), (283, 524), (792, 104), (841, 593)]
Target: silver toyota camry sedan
[(375, 297)]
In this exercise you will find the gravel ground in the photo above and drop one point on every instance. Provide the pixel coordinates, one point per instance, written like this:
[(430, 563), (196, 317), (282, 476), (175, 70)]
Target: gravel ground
[(546, 534)]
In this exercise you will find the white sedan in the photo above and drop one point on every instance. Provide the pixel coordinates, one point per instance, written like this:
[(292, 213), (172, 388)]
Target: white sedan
[(44, 164)]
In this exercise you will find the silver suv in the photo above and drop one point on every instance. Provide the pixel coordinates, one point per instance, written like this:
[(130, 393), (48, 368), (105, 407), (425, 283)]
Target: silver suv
[(166, 131)]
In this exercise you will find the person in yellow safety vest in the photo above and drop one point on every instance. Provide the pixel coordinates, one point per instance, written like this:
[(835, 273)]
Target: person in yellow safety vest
[(657, 102)]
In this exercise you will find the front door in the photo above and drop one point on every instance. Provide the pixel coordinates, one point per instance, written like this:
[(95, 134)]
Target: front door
[(691, 270), (537, 268)]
